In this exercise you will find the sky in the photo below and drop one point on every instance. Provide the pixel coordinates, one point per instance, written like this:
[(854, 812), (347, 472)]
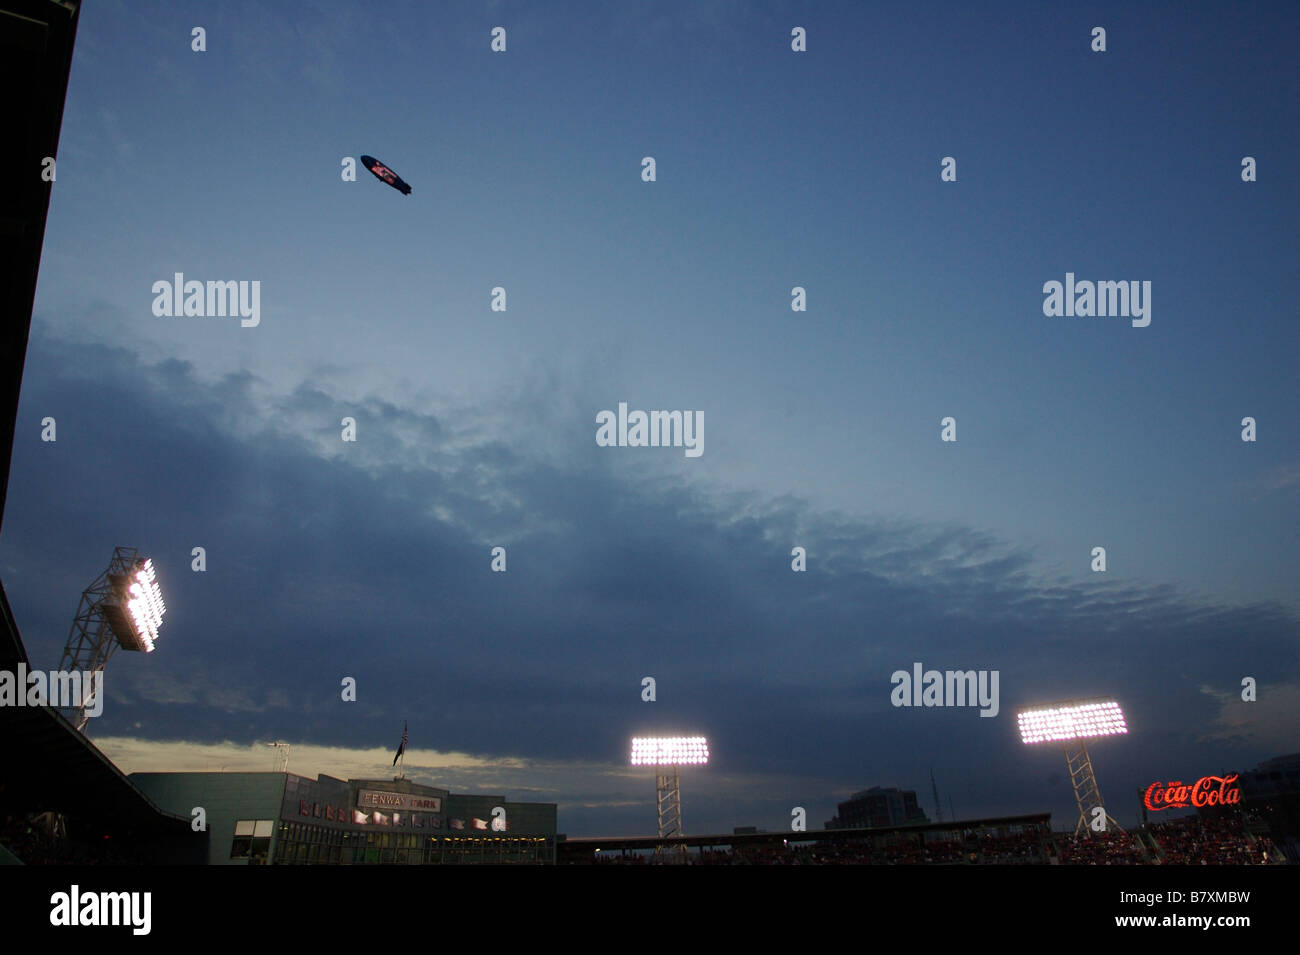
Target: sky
[(476, 428)]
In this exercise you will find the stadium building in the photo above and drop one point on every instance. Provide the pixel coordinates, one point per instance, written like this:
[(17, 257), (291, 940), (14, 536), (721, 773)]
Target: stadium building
[(282, 818)]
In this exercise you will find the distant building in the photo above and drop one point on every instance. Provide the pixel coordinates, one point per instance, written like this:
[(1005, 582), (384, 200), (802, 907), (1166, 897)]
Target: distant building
[(877, 808)]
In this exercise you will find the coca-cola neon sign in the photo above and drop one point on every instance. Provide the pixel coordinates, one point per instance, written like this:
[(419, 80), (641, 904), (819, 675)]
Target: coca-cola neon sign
[(1206, 791)]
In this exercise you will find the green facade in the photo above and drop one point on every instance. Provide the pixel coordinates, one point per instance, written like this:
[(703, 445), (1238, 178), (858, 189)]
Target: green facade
[(225, 797), (282, 818)]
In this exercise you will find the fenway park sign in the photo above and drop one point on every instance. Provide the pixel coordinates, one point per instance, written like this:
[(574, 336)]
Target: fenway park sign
[(1206, 791), (404, 802)]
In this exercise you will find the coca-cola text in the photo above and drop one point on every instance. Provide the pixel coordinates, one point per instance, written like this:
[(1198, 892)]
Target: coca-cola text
[(1206, 791)]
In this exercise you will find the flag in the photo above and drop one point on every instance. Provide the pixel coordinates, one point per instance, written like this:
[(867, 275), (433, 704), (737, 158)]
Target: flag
[(479, 823), (401, 748)]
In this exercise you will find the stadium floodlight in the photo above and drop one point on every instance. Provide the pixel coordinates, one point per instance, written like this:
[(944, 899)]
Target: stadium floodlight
[(670, 751), (124, 608), (1084, 720), (669, 754), (135, 607), (1070, 723)]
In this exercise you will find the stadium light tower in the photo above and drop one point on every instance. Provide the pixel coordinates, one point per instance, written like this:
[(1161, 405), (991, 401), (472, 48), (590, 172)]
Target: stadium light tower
[(122, 608), (668, 754), (1070, 723)]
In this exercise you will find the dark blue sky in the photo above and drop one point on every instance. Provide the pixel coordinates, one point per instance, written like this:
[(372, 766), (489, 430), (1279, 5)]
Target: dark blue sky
[(477, 428)]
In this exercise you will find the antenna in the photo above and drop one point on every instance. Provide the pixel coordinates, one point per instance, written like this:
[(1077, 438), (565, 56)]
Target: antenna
[(282, 756), (938, 807)]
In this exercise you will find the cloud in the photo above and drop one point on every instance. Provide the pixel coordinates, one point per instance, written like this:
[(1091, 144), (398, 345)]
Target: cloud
[(372, 561), (1282, 477), (1267, 724), (574, 785)]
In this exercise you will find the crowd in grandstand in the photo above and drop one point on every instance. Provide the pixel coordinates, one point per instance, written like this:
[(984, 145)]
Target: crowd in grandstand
[(1025, 847), (1101, 848), (1188, 841), (1197, 841), (973, 850)]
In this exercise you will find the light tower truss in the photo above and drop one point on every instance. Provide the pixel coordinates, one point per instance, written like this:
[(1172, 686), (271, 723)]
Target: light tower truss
[(1084, 781), (669, 786), (669, 791)]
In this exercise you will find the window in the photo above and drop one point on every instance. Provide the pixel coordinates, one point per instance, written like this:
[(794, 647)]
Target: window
[(252, 839)]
